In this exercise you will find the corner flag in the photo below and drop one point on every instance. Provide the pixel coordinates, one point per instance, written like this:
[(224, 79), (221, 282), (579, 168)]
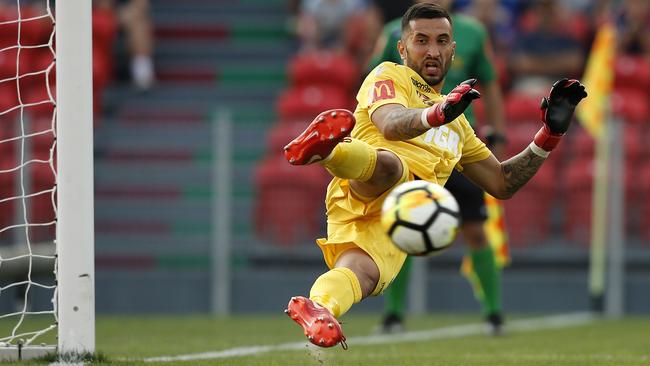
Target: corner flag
[(598, 79)]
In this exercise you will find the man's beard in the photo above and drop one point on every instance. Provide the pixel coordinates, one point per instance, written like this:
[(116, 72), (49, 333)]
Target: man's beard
[(431, 80)]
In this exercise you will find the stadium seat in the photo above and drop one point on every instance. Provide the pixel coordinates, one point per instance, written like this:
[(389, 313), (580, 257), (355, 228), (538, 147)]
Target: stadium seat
[(8, 100), (578, 197), (290, 204), (6, 190), (634, 140), (522, 108), (105, 27), (9, 29), (479, 112), (324, 67), (631, 72), (37, 30), (281, 133), (582, 145), (41, 209), (577, 200), (8, 62), (631, 105), (308, 101), (528, 213), (40, 176), (38, 94), (520, 136), (644, 201)]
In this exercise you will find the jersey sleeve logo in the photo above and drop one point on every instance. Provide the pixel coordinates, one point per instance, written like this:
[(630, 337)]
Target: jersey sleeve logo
[(383, 89)]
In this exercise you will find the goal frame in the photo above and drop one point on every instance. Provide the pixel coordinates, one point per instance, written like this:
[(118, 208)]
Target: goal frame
[(75, 197), (74, 296)]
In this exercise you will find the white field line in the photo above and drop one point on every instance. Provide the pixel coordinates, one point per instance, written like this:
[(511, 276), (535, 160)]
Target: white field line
[(457, 331)]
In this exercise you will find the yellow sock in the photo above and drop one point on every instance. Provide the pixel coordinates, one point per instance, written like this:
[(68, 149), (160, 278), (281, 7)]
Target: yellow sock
[(336, 290), (352, 159)]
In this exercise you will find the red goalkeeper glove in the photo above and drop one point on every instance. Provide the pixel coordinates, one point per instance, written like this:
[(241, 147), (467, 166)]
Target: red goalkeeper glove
[(452, 106), (557, 113)]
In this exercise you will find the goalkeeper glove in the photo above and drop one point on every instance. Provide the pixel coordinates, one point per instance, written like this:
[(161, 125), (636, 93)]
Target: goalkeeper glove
[(557, 113), (452, 106)]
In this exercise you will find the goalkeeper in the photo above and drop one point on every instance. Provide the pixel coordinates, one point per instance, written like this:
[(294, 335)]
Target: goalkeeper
[(471, 60), (402, 129)]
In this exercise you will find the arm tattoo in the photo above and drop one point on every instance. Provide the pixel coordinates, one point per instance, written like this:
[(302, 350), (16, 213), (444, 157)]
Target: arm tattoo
[(520, 168), (404, 124)]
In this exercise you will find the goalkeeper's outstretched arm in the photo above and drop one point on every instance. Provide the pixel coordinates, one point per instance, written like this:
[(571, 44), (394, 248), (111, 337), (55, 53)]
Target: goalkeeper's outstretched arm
[(503, 179)]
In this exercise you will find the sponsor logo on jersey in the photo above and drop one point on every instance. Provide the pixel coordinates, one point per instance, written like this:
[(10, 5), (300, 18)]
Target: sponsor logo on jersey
[(383, 89), (425, 99), (422, 86), (444, 138)]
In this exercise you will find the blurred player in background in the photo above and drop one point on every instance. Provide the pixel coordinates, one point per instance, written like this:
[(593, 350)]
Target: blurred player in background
[(403, 129), (472, 60), (134, 16)]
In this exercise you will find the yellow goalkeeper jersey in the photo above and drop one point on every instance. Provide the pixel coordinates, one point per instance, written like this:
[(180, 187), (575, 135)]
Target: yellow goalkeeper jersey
[(432, 155)]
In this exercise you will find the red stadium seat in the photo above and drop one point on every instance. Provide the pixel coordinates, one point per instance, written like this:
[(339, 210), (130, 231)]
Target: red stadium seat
[(290, 202), (633, 142), (323, 67), (38, 95), (520, 136), (282, 133), (39, 207), (527, 217), (644, 209), (582, 145), (8, 100), (25, 63), (528, 213), (105, 27), (578, 197), (6, 189), (308, 101), (631, 105), (522, 108), (479, 111), (37, 30), (577, 200), (632, 72)]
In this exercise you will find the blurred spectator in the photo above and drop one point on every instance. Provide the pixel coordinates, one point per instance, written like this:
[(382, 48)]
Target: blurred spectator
[(633, 25), (391, 9), (348, 25), (548, 47), (497, 19), (134, 17)]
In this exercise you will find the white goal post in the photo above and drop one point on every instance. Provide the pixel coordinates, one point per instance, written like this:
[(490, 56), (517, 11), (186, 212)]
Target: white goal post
[(69, 251), (75, 226)]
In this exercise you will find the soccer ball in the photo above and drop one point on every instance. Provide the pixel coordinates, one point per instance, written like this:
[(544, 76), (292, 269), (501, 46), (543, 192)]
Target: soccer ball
[(420, 217)]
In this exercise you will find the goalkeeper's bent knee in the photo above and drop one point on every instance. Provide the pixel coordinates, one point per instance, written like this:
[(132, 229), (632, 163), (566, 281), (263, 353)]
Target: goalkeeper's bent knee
[(352, 159)]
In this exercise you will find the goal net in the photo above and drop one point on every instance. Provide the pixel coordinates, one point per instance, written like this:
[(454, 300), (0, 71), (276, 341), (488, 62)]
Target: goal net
[(36, 249)]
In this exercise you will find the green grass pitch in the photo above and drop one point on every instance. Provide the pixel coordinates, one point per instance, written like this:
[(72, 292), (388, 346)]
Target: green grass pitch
[(136, 340)]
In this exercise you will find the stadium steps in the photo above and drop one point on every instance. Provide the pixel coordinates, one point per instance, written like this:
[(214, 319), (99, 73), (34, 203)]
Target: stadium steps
[(153, 165)]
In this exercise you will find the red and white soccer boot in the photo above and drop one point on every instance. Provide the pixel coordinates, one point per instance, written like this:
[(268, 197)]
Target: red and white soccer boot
[(319, 325), (321, 136)]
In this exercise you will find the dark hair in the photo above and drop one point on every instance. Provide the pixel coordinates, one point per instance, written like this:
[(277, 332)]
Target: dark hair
[(423, 11)]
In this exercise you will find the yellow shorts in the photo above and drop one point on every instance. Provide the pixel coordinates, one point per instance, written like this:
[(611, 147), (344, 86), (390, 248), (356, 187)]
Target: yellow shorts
[(355, 223)]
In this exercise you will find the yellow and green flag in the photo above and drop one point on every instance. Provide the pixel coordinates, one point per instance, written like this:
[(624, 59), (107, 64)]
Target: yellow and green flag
[(598, 80)]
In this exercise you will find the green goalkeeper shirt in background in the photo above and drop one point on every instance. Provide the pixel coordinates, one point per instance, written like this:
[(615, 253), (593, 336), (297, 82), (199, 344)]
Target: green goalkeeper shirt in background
[(471, 60)]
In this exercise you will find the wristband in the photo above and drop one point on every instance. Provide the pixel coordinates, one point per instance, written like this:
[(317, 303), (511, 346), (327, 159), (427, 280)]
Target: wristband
[(435, 113), (423, 118), (547, 140), (538, 150)]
